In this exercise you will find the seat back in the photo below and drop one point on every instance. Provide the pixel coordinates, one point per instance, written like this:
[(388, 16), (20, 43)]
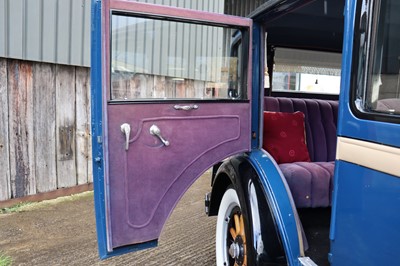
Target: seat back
[(320, 123)]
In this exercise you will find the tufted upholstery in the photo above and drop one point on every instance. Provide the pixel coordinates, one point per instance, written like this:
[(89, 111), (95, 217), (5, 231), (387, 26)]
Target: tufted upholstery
[(311, 182)]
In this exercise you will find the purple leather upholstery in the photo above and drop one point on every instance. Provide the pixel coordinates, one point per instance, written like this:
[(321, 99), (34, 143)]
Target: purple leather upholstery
[(311, 182)]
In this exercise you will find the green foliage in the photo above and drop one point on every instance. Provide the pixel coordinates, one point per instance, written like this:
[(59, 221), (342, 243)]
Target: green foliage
[(16, 208), (5, 260)]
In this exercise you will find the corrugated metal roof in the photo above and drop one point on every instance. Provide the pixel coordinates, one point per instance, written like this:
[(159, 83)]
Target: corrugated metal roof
[(58, 31), (55, 31)]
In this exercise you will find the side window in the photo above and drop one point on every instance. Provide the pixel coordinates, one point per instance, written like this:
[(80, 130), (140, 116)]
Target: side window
[(378, 82), (174, 60), (306, 71)]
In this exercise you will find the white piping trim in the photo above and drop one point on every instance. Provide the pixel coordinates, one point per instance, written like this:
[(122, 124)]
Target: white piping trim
[(378, 157)]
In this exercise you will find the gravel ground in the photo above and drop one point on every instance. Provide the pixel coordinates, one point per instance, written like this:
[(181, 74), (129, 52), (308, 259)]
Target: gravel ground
[(62, 232)]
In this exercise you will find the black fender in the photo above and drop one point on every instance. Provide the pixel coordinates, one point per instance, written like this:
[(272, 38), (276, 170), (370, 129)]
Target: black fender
[(266, 247)]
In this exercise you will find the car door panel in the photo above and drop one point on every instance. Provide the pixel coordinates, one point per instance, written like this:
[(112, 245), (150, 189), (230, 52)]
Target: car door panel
[(169, 109), (145, 184)]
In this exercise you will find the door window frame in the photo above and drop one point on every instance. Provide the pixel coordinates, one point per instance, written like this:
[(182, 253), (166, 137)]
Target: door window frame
[(199, 55), (177, 14), (367, 19)]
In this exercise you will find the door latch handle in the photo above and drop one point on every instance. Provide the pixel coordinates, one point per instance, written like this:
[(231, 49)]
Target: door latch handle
[(126, 129), (186, 107), (155, 131)]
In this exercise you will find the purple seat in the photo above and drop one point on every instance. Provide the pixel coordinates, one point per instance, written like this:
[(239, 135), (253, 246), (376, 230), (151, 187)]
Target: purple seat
[(311, 182)]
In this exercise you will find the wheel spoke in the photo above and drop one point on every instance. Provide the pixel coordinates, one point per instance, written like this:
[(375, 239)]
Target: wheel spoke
[(237, 223), (243, 235), (242, 228), (233, 233)]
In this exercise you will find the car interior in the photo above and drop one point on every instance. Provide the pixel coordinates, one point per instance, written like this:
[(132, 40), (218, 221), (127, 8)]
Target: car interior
[(302, 84)]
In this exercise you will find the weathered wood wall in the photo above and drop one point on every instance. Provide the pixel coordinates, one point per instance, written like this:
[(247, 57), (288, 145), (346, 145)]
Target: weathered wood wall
[(44, 127)]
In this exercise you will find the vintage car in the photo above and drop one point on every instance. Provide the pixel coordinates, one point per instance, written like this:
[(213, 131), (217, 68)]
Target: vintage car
[(296, 108)]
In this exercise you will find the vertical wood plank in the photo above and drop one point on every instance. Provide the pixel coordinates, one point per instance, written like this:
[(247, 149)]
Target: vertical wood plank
[(45, 126), (82, 124), (160, 87), (22, 161), (190, 89), (65, 126), (200, 89), (138, 86), (5, 190), (118, 90), (89, 119)]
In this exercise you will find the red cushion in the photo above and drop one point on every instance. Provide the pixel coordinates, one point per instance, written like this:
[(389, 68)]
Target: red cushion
[(284, 137)]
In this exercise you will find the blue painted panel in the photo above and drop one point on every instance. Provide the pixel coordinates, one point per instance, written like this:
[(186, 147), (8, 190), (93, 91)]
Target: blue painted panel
[(366, 229), (281, 203), (96, 114), (257, 85), (351, 126), (365, 219), (374, 131), (348, 124), (347, 53)]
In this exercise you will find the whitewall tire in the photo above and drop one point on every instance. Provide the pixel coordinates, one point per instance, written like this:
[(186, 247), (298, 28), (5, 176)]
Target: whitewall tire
[(230, 232)]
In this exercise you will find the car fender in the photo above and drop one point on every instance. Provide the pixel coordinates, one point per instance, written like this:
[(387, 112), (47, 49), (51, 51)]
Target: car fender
[(280, 201), (275, 228)]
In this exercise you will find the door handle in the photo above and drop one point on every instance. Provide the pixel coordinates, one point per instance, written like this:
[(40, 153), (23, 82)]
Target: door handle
[(186, 107), (155, 131), (126, 129)]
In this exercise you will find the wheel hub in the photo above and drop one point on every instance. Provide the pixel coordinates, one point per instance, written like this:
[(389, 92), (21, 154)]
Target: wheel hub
[(236, 250)]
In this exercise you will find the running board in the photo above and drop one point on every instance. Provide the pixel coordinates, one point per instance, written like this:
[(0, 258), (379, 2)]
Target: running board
[(306, 261)]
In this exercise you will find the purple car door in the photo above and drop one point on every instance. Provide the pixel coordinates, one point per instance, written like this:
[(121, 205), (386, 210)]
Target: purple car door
[(176, 100)]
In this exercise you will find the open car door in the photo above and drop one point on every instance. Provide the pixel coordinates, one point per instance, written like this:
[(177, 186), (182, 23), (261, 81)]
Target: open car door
[(171, 97)]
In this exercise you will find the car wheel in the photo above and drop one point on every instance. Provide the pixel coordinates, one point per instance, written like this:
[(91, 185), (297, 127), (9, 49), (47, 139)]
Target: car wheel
[(230, 232)]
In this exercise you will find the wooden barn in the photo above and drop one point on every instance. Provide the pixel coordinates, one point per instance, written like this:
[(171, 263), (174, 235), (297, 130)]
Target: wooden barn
[(44, 98), (45, 141)]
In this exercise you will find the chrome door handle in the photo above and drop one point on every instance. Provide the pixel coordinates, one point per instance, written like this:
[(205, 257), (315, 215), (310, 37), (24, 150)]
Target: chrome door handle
[(155, 131), (186, 107), (126, 129)]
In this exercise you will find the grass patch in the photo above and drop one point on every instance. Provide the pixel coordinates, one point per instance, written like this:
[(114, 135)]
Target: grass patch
[(5, 260), (16, 208), (29, 206)]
